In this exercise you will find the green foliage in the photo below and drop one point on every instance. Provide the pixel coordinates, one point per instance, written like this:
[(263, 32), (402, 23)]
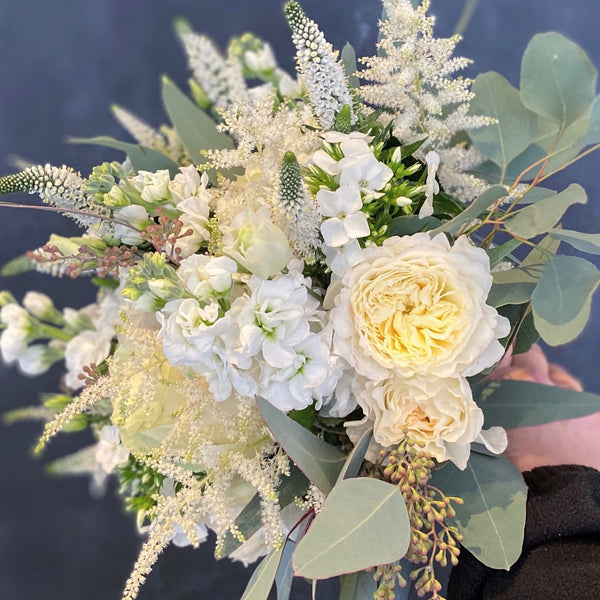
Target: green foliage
[(540, 217), (17, 266), (261, 582), (356, 457), (410, 224), (492, 517), (357, 586), (509, 403), (141, 157), (499, 253), (318, 460), (473, 211), (515, 125), (527, 335), (558, 81), (350, 68), (138, 484), (194, 127), (562, 299), (285, 572), (363, 523), (586, 242)]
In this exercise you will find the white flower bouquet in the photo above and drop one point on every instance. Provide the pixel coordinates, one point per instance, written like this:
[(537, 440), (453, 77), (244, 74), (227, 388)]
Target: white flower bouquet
[(303, 285)]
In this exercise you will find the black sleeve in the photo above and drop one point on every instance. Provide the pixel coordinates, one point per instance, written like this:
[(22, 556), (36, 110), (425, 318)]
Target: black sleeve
[(561, 550)]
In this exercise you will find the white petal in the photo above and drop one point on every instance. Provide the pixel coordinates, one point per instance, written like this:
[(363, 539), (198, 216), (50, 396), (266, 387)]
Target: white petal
[(330, 203), (334, 232), (350, 198), (356, 225)]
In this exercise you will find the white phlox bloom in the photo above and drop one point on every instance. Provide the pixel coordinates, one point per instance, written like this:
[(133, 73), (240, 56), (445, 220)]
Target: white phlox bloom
[(346, 221), (340, 259), (432, 187), (110, 453), (204, 276)]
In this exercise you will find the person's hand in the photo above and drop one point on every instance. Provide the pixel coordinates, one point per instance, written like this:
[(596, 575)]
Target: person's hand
[(570, 441)]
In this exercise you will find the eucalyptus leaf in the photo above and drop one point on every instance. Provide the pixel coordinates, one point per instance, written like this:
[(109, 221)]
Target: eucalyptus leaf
[(350, 68), (515, 286), (562, 299), (593, 137), (363, 523), (499, 253), (194, 127), (515, 125), (249, 521), (511, 403), (317, 459), (17, 266), (586, 242), (357, 586), (538, 218), (478, 206), (261, 582), (410, 224), (285, 572), (141, 157), (526, 336), (356, 457), (536, 194), (492, 518), (558, 81)]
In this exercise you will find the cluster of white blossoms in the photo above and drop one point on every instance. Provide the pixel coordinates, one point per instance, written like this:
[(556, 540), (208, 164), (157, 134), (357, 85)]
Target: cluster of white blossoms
[(361, 177)]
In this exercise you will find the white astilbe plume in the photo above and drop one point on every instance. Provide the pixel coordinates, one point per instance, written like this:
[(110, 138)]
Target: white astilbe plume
[(141, 132), (414, 79), (220, 78), (262, 136), (61, 187), (319, 65)]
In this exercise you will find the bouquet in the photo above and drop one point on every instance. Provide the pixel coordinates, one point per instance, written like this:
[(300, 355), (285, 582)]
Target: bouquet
[(303, 284)]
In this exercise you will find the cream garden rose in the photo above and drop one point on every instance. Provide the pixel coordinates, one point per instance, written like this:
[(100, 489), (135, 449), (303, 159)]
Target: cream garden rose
[(417, 306), (439, 412)]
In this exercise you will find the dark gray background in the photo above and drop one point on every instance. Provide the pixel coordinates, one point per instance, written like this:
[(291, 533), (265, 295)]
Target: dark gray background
[(62, 64)]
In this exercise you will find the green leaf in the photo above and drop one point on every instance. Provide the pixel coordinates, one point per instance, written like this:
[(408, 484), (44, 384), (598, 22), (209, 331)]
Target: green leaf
[(357, 586), (356, 457), (586, 242), (285, 572), (499, 253), (514, 286), (558, 81), (562, 299), (510, 403), (349, 62), (484, 202), (249, 521), (410, 224), (363, 523), (261, 582), (141, 157), (317, 459), (492, 518), (515, 125), (593, 137), (538, 218), (194, 127), (17, 266), (526, 336)]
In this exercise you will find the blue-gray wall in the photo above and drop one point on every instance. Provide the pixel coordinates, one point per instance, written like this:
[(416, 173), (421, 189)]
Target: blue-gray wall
[(61, 65)]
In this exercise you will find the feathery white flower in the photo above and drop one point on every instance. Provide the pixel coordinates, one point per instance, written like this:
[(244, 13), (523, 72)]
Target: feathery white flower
[(140, 131)]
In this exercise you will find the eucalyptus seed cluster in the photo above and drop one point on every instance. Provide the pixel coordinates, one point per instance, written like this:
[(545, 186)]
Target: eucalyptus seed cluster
[(432, 539), (387, 576)]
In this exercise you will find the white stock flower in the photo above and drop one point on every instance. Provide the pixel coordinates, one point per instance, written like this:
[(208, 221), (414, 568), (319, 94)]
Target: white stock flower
[(38, 358), (262, 60), (39, 305), (346, 221), (84, 349), (16, 335), (432, 187), (255, 243), (204, 276), (416, 305)]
